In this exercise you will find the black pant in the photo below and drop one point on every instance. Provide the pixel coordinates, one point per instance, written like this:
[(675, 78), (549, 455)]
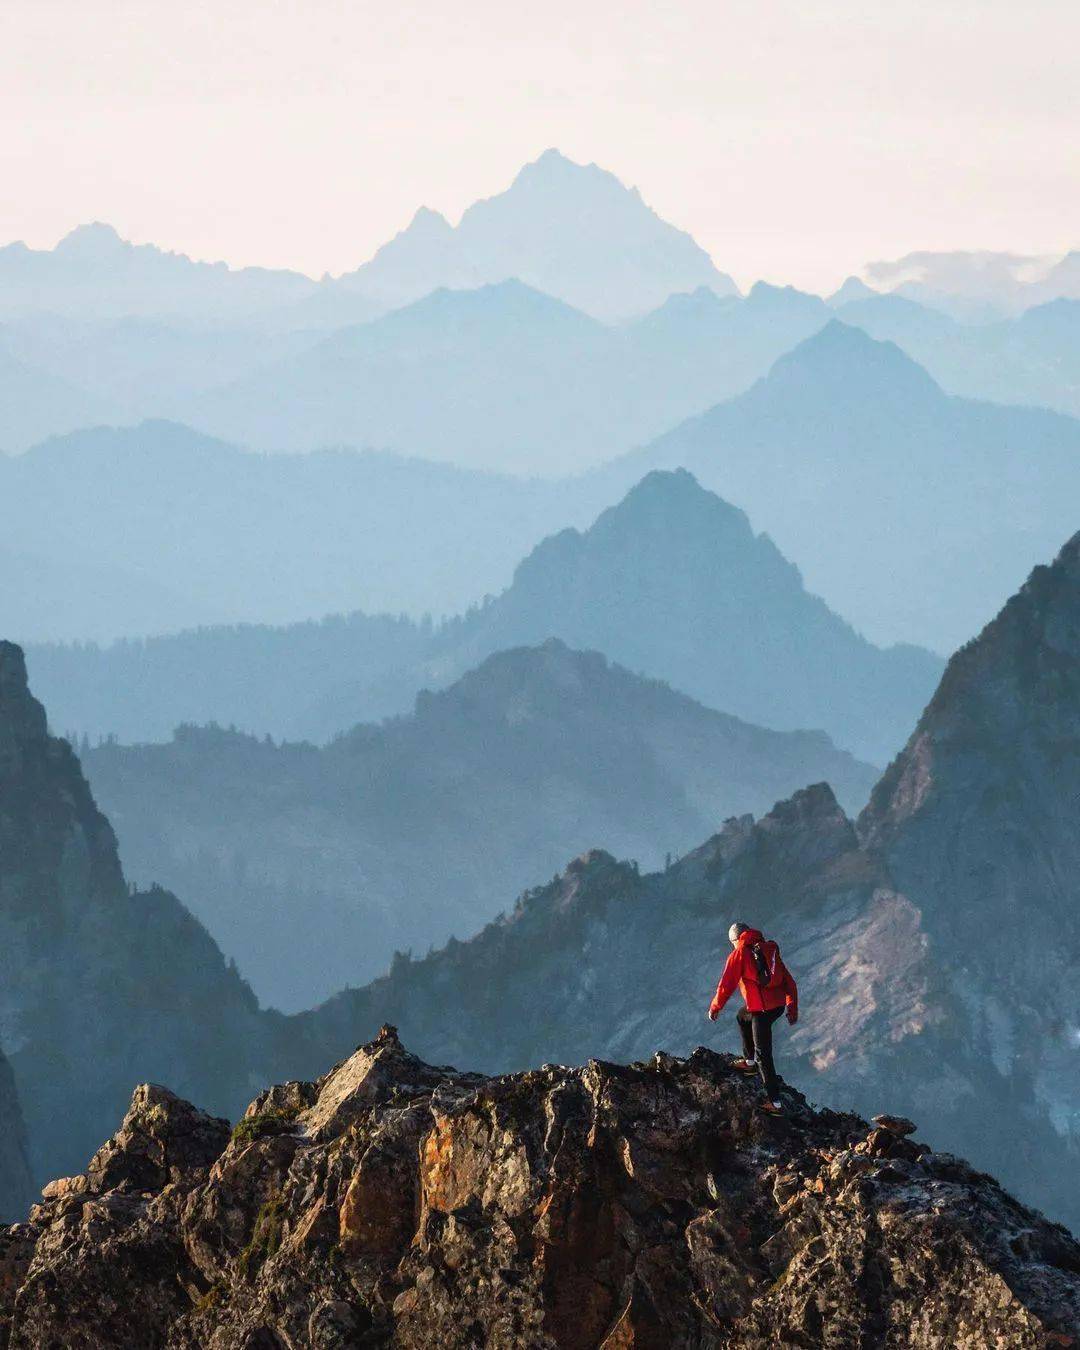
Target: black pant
[(756, 1029)]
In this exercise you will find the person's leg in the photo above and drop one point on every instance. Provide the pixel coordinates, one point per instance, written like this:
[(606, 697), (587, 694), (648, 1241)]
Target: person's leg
[(762, 1034), (743, 1017)]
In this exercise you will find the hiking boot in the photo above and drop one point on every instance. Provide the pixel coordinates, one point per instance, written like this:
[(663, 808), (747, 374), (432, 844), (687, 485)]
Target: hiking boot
[(772, 1108), (744, 1065)]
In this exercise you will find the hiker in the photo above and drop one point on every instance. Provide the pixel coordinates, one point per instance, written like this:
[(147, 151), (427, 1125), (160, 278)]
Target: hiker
[(768, 990)]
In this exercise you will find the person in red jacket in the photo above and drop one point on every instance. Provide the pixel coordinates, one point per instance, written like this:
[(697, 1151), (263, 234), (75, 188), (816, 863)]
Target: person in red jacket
[(755, 968)]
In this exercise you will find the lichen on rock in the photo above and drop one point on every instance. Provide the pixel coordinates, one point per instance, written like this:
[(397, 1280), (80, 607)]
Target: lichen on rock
[(644, 1205)]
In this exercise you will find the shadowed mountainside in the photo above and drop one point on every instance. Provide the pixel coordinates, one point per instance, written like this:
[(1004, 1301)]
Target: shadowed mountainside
[(311, 867), (99, 985)]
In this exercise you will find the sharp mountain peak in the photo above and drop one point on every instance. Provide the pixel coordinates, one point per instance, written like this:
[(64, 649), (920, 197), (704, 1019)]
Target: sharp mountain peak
[(840, 354)]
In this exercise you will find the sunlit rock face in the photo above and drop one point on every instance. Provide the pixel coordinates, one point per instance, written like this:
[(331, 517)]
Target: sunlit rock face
[(651, 1205)]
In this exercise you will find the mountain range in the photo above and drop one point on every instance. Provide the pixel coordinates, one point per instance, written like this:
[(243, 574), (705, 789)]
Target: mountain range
[(93, 273), (672, 582), (571, 230), (915, 512), (35, 403), (506, 378), (154, 528), (914, 935), (311, 867), (560, 322), (864, 439), (905, 934), (501, 376)]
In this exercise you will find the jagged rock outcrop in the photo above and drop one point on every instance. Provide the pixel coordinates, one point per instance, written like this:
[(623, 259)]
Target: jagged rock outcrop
[(100, 987), (647, 1206)]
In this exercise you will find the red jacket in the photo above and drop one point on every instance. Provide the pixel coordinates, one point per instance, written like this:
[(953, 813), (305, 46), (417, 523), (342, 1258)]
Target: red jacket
[(740, 971)]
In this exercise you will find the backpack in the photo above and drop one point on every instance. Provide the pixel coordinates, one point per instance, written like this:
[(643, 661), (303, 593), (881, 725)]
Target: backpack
[(768, 968)]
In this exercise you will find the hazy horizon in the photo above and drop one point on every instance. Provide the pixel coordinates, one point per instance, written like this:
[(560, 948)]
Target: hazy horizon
[(306, 138)]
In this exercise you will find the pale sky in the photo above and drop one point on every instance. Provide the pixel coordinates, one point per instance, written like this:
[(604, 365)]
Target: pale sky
[(794, 140)]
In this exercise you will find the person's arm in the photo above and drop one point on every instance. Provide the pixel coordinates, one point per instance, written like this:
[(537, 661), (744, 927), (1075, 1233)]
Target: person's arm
[(791, 996), (729, 982)]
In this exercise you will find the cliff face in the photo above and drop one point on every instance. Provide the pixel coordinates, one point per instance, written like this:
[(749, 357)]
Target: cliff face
[(99, 987), (645, 1206), (977, 822), (16, 1190)]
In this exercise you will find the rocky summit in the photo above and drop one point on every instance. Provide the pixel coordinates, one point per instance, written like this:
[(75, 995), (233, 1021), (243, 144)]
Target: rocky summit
[(392, 1203)]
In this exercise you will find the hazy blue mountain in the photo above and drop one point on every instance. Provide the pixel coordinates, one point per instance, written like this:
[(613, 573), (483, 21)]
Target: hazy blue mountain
[(571, 230), (500, 377), (35, 402), (852, 289), (137, 367), (702, 342), (302, 681), (92, 272), (913, 511), (1033, 358), (311, 866), (58, 592), (672, 582), (504, 377), (220, 536)]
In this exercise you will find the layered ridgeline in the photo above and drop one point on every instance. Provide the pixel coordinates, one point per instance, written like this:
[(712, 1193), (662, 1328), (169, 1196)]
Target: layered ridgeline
[(911, 998), (672, 583), (501, 374), (502, 377), (94, 274), (571, 230), (265, 539), (887, 490), (36, 403), (311, 867), (649, 1206), (915, 512), (99, 985), (935, 946), (1032, 359)]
